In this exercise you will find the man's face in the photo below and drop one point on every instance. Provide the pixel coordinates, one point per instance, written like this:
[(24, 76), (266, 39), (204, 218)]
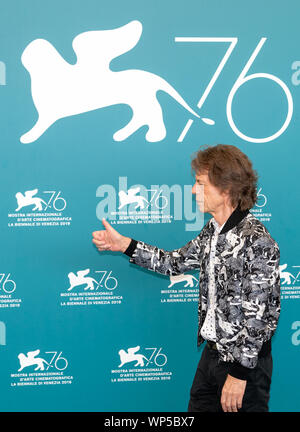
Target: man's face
[(209, 198)]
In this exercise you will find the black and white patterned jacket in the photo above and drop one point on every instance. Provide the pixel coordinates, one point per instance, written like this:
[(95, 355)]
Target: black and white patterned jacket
[(247, 285)]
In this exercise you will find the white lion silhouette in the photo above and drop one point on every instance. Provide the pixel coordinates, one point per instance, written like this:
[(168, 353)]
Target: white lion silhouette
[(130, 197), (60, 89), (285, 275), (27, 199), (129, 356), (181, 278), (80, 279), (31, 360)]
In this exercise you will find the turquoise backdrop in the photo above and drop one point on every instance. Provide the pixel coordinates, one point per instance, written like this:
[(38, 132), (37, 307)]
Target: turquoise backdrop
[(87, 331)]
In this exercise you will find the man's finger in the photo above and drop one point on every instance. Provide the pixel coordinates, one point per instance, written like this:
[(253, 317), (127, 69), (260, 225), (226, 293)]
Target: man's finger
[(228, 407), (101, 244), (104, 247), (98, 234), (227, 402), (240, 402), (95, 234), (224, 402), (234, 406), (107, 225), (97, 242)]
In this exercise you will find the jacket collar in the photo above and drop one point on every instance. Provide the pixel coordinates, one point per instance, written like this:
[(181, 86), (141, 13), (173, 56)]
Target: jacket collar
[(234, 219)]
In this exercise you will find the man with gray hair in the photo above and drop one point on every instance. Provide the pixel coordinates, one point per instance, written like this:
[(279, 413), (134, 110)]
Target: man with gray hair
[(239, 280)]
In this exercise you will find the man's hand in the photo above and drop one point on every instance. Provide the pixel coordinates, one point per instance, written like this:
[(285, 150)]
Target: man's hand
[(110, 239), (232, 394)]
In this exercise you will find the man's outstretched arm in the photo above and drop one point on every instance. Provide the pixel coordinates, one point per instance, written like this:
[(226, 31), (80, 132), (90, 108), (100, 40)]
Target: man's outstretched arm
[(151, 257)]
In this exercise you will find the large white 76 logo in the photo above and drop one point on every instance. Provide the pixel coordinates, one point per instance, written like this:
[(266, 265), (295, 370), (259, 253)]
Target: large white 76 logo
[(242, 79), (8, 285)]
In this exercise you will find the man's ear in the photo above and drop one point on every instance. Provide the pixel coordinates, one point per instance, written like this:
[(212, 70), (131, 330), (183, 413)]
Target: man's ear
[(225, 193), (226, 196)]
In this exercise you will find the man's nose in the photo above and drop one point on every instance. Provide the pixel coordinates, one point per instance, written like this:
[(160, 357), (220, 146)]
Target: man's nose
[(194, 189)]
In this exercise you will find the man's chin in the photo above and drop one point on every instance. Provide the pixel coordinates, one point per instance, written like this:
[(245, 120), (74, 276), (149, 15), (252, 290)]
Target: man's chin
[(202, 208)]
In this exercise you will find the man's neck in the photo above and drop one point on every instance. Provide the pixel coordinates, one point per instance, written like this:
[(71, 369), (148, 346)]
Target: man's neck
[(222, 214)]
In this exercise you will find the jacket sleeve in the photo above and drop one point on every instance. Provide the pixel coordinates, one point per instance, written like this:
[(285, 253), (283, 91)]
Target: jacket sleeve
[(165, 262), (260, 304)]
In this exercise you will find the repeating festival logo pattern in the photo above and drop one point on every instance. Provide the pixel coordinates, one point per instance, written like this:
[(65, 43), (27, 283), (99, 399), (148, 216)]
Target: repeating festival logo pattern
[(36, 369), (39, 209), (138, 364), (88, 288)]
